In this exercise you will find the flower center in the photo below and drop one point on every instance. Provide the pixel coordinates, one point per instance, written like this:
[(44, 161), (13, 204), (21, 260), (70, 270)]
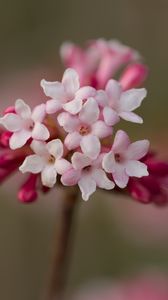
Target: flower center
[(84, 130), (30, 125), (87, 168), (118, 157), (51, 159)]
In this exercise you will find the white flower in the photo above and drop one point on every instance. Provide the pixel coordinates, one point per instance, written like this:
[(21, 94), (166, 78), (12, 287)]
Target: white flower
[(25, 124), (123, 159), (47, 160)]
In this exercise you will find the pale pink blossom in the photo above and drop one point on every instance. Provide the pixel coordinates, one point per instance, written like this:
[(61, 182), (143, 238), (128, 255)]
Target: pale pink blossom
[(117, 104), (88, 174), (85, 130), (66, 94), (25, 124), (122, 161), (47, 160)]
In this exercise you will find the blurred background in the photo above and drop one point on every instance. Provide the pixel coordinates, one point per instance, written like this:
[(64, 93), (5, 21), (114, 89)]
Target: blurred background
[(115, 237)]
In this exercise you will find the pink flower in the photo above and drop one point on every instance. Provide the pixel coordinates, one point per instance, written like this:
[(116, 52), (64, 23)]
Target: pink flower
[(88, 174), (25, 124), (66, 94), (47, 160), (118, 104), (123, 159), (86, 129)]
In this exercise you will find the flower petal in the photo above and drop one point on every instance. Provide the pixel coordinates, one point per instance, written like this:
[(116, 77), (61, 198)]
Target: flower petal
[(71, 177), (90, 112), (80, 160), (87, 186), (113, 90), (120, 177), (102, 180), (109, 163), (132, 117), (72, 140), (73, 106), (19, 139), (55, 148), (101, 130), (22, 109), (39, 148), (33, 164), (49, 176), (138, 149), (136, 168), (121, 142), (39, 113), (110, 116), (90, 146), (70, 81), (69, 122), (62, 165), (101, 98), (52, 106), (40, 132), (85, 92), (54, 90), (11, 122), (132, 99)]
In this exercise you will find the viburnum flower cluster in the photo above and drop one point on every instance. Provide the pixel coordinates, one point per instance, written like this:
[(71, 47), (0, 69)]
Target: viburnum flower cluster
[(70, 139)]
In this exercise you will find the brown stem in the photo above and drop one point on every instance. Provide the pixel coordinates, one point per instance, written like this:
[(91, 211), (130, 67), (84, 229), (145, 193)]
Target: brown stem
[(62, 247)]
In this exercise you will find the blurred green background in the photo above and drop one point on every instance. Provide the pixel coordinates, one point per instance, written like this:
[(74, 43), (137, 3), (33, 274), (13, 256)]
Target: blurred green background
[(31, 33)]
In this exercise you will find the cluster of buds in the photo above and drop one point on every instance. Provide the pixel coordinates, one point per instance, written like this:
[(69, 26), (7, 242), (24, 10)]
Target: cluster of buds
[(69, 139)]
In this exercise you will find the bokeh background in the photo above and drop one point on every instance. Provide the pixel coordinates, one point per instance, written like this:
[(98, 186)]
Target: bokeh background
[(114, 236)]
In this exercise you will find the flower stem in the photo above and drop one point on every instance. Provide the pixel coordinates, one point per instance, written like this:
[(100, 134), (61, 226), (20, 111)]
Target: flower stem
[(62, 247)]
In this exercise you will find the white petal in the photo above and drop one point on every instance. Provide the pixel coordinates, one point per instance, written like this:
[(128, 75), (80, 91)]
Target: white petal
[(40, 132), (55, 148), (136, 168), (73, 106), (113, 89), (11, 122), (120, 177), (110, 116), (132, 99), (71, 177), (90, 112), (80, 161), (33, 164), (52, 106), (101, 130), (87, 186), (132, 117), (69, 122), (102, 180), (85, 92), (49, 176), (121, 142), (90, 146), (101, 98), (138, 149), (62, 165), (72, 140), (39, 148), (22, 109), (19, 139), (70, 81), (39, 113), (109, 163), (54, 90)]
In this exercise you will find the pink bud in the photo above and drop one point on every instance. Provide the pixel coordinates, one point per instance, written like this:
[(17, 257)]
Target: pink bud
[(27, 192), (4, 138), (133, 76), (10, 109)]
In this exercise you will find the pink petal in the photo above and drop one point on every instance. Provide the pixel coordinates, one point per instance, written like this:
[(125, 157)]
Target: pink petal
[(113, 89), (136, 168), (132, 99), (121, 142), (52, 106), (49, 176), (11, 122), (53, 90), (101, 130), (90, 146), (85, 92), (40, 132), (33, 164), (69, 122), (110, 116), (19, 139), (80, 161), (132, 117), (39, 113), (22, 109), (73, 106), (39, 148), (138, 149), (55, 148), (102, 180), (90, 112), (62, 165), (120, 177), (101, 98), (109, 163), (72, 140), (71, 177), (87, 186), (70, 81)]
